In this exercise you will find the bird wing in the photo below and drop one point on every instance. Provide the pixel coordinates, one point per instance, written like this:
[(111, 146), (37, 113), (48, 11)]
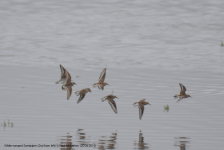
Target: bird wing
[(68, 77), (180, 98), (102, 76), (112, 104), (82, 95), (141, 110), (182, 89), (101, 86), (69, 92), (62, 71)]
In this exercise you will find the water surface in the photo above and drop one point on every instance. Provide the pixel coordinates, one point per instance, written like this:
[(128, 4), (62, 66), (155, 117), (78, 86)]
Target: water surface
[(42, 114), (170, 35), (148, 48)]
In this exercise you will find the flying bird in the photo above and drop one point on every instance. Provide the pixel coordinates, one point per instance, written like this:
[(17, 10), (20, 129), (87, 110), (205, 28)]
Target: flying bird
[(110, 100), (140, 105), (67, 85), (82, 94), (182, 93), (101, 82)]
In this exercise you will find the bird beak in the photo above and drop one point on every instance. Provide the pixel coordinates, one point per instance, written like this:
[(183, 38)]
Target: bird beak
[(149, 104), (117, 98)]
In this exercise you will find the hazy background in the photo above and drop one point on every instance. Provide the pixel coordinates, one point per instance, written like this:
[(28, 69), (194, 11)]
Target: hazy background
[(148, 48), (174, 35)]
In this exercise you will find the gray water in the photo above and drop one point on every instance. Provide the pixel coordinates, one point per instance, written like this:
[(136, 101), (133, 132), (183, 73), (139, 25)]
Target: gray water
[(148, 48), (174, 35)]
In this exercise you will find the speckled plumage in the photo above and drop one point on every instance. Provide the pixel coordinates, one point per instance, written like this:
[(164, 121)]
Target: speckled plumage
[(141, 104), (182, 93), (110, 100), (82, 94), (101, 82)]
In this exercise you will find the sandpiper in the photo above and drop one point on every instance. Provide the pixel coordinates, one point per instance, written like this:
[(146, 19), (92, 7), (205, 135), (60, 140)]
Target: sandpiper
[(182, 93), (141, 104), (63, 77), (67, 85), (110, 100), (101, 82), (82, 94)]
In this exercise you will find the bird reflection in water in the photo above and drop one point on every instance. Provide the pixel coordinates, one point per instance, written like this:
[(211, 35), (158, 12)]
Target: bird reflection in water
[(82, 138), (66, 142), (104, 142), (182, 142), (107, 142), (140, 144)]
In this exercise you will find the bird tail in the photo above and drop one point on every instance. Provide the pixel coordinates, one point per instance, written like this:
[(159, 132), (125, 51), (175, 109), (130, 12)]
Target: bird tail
[(94, 85), (77, 92), (103, 99), (135, 104)]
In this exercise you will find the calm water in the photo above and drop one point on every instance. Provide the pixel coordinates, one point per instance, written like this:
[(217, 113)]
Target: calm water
[(148, 48), (41, 114), (170, 35)]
